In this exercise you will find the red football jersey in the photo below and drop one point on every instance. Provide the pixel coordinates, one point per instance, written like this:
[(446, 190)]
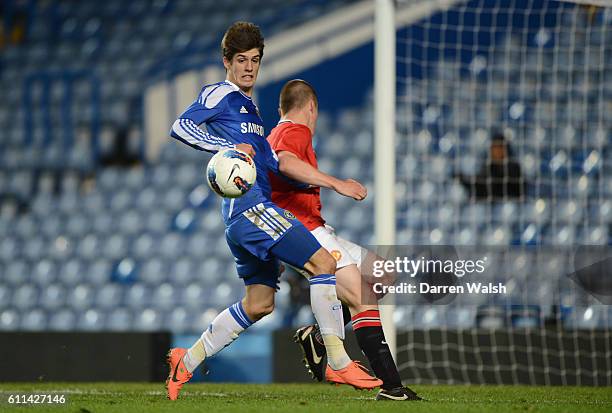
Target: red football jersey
[(305, 204)]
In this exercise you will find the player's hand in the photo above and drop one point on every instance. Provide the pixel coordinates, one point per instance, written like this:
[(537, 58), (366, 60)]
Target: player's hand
[(352, 189), (245, 147)]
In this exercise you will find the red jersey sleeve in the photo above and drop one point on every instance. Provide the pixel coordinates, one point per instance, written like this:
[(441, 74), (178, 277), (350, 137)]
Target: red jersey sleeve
[(296, 140)]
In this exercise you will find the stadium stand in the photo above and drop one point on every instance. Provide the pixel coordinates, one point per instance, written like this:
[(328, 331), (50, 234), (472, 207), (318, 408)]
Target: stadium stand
[(89, 247), (93, 248)]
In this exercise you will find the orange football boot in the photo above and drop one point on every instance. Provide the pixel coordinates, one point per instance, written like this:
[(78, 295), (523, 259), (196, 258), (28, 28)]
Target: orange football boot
[(178, 374), (354, 375)]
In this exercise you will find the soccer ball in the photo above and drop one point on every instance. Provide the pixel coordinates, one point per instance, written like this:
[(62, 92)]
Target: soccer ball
[(231, 173)]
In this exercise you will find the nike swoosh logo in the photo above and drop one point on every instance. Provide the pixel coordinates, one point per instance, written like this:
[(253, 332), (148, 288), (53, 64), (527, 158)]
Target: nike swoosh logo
[(315, 356), (174, 379), (404, 397), (305, 333), (236, 166)]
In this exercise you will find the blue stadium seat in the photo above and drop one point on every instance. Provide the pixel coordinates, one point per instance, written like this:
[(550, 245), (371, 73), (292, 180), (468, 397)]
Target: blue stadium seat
[(601, 212), (131, 222), (462, 317), (124, 271), (5, 296), (78, 225), (406, 236), (352, 167), (62, 320), (520, 264), (426, 191), (194, 295), (165, 296), (109, 296), (182, 271), (53, 297), (35, 248), (34, 320), (137, 296), (203, 319), (114, 247), (506, 212), (403, 316), (121, 200), (537, 211), (584, 318), (153, 271), (81, 297), (148, 319), (188, 175), (119, 319), (25, 296), (466, 236), (552, 265), (172, 245), (9, 320), (598, 235), (224, 295), (488, 316), (199, 196), (563, 235), (161, 176), (158, 222), (427, 317), (44, 272), (179, 320), (26, 226), (16, 272), (90, 320), (497, 235), (184, 221), (71, 272), (475, 214), (69, 203), (146, 199)]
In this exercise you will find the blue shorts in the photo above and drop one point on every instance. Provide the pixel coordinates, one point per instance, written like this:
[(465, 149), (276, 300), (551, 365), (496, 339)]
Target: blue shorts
[(264, 235)]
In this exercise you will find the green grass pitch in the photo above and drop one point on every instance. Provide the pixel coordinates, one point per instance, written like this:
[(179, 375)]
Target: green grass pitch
[(320, 398)]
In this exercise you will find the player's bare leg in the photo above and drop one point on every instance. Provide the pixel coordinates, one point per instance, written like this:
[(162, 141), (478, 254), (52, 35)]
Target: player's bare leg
[(328, 312), (225, 328), (258, 301)]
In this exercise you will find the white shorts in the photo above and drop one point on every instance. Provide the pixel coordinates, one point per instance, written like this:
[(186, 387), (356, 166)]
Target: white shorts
[(345, 252)]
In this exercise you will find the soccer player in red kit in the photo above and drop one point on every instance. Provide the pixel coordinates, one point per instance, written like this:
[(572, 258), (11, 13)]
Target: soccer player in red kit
[(291, 139)]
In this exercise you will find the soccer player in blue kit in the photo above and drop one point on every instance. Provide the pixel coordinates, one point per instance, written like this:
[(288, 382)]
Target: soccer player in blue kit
[(259, 233)]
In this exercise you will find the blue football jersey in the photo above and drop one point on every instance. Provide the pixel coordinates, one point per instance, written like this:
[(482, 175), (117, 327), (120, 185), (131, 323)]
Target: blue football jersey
[(231, 118)]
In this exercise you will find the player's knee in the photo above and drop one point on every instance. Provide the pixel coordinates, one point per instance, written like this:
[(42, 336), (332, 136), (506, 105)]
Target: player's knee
[(259, 310), (327, 264), (321, 262)]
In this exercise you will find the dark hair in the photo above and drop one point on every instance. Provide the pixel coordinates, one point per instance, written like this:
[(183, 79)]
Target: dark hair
[(295, 94), (498, 137), (240, 37)]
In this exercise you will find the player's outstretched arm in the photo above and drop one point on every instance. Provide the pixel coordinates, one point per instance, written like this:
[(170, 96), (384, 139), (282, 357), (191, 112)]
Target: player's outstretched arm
[(294, 168), (187, 131)]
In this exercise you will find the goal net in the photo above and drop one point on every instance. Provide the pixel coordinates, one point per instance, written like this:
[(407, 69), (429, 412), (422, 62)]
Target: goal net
[(504, 153)]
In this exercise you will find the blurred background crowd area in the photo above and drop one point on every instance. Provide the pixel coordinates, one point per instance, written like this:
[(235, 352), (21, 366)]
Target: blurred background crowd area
[(503, 140)]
